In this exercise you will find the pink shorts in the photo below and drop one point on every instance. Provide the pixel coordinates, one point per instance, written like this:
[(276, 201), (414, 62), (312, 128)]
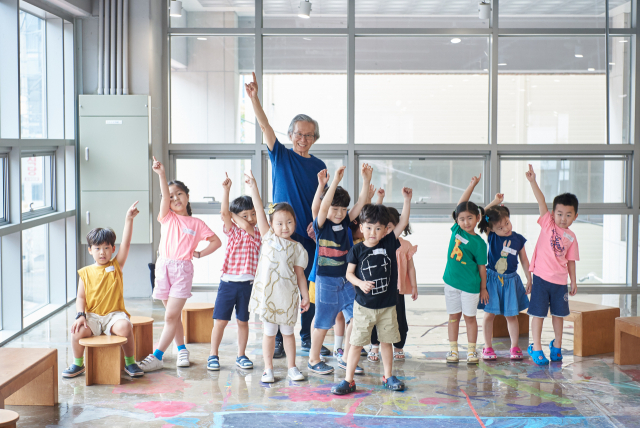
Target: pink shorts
[(174, 278)]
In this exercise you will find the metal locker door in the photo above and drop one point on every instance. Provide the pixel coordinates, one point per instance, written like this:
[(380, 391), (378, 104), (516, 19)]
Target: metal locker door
[(108, 209)]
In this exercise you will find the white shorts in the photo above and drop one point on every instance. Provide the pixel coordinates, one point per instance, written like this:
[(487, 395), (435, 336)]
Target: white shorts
[(460, 301), (271, 329), (102, 323)]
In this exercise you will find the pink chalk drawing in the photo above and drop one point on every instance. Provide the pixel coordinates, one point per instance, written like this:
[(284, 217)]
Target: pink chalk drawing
[(165, 409), (155, 383), (347, 420), (438, 400), (310, 393)]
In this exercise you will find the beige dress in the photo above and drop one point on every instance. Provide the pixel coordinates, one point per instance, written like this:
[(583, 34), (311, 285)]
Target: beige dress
[(275, 295)]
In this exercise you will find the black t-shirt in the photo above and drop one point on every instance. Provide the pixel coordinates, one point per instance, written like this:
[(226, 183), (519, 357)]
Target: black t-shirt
[(378, 264)]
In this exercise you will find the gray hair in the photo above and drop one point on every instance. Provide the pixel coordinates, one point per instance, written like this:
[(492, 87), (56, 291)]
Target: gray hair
[(304, 118)]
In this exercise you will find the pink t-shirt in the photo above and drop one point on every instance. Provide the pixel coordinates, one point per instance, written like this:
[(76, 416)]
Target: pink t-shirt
[(555, 247), (403, 255), (181, 235)]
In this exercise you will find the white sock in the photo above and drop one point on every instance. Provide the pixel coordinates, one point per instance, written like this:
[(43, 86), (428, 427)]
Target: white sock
[(339, 340)]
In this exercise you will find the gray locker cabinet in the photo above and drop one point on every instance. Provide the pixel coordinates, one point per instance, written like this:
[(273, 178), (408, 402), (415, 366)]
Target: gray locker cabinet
[(121, 105), (108, 209), (114, 153)]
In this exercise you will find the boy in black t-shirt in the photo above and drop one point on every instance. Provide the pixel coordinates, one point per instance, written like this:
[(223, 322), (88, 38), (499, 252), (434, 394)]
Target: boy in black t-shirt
[(373, 270)]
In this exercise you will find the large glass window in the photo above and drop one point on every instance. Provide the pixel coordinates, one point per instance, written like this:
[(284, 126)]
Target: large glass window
[(208, 75), (33, 77), (4, 181), (553, 14), (295, 82), (214, 14), (35, 269), (288, 14), (333, 162), (619, 90), (419, 14), (552, 90), (204, 177), (37, 184), (421, 90)]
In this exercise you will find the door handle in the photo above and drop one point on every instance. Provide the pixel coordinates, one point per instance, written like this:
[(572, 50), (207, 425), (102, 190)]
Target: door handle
[(86, 153), (88, 217)]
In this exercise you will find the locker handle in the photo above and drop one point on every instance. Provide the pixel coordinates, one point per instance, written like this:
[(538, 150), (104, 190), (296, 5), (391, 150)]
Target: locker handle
[(88, 217), (86, 153)]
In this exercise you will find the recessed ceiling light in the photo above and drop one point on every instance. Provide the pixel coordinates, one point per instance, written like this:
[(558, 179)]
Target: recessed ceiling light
[(591, 69), (622, 41), (503, 63), (202, 38), (612, 63), (578, 56), (455, 40)]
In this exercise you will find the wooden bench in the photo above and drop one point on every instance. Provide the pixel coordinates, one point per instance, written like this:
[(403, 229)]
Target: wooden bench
[(28, 377), (8, 418), (500, 325), (627, 341), (103, 359), (197, 322), (593, 328), (142, 336)]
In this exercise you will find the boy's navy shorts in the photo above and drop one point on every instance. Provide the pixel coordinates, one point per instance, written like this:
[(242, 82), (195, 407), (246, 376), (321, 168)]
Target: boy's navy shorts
[(545, 295), (230, 295)]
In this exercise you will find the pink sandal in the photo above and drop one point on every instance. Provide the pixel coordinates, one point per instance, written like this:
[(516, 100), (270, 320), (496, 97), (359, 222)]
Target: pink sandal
[(488, 354), (516, 353)]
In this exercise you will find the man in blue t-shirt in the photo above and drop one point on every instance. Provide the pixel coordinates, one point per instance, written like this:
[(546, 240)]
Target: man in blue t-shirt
[(294, 175)]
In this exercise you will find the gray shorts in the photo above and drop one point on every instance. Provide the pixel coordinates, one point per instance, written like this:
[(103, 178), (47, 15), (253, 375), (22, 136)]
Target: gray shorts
[(102, 323)]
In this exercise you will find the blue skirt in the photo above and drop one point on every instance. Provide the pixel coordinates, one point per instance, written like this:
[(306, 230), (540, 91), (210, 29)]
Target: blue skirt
[(507, 295)]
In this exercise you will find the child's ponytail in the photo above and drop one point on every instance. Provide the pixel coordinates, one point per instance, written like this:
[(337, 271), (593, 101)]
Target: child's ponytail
[(492, 216), (180, 185), (467, 206)]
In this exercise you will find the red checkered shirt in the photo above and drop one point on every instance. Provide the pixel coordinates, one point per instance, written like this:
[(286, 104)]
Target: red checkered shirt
[(241, 256)]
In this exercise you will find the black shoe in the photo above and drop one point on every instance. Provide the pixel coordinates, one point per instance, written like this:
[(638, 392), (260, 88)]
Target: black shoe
[(133, 370), (343, 388), (73, 371), (325, 352), (278, 352), (306, 346)]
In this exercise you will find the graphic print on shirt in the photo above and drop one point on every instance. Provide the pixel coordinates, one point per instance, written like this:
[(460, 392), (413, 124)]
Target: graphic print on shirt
[(502, 264), (325, 252), (376, 267), (457, 252), (556, 243)]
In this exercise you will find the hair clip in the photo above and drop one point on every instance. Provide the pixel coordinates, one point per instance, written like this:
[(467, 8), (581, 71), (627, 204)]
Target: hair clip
[(272, 208), (486, 217)]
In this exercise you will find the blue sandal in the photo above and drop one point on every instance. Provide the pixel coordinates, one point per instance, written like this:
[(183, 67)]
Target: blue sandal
[(537, 356), (213, 363), (555, 353), (243, 362)]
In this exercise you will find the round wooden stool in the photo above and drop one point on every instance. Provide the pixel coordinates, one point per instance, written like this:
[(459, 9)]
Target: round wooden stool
[(143, 336), (197, 321), (8, 418), (103, 359)]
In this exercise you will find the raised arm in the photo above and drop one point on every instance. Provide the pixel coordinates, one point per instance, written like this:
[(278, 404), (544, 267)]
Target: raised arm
[(323, 179), (252, 92), (496, 201), (263, 223), (165, 203), (243, 224), (380, 196), (466, 195), (372, 192), (328, 197), (224, 207), (542, 204), (123, 251), (367, 172), (407, 193)]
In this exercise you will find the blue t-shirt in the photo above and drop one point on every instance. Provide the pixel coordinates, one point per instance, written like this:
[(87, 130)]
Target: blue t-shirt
[(295, 180), (333, 246), (497, 244), (312, 275)]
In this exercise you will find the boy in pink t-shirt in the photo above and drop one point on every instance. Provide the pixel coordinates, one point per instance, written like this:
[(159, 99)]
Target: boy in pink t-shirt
[(553, 259)]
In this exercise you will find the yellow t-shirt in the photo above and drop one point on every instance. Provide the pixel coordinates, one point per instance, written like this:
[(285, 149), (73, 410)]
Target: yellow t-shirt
[(103, 288)]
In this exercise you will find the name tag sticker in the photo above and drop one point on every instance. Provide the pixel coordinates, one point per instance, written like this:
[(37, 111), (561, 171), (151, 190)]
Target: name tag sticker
[(380, 251), (337, 228), (189, 231), (509, 250), (277, 246), (110, 269), (569, 237), (461, 239)]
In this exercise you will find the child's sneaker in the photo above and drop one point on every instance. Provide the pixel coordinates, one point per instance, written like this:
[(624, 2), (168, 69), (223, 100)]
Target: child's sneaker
[(73, 371), (537, 356), (133, 370), (343, 388), (338, 353), (267, 376), (452, 357), (488, 354), (294, 374), (183, 358), (472, 358), (150, 364), (393, 383), (213, 363), (320, 368), (516, 353), (244, 363), (343, 365), (555, 353)]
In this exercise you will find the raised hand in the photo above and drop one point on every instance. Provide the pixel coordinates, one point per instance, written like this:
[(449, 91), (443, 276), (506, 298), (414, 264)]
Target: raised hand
[(323, 177), (367, 171), (372, 191), (475, 180), (157, 166), (531, 175), (226, 184), (249, 179), (132, 212), (499, 198), (381, 193), (339, 174), (407, 193), (252, 87)]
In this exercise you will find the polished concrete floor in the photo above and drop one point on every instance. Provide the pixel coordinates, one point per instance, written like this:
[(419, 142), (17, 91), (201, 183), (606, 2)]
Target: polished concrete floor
[(577, 392)]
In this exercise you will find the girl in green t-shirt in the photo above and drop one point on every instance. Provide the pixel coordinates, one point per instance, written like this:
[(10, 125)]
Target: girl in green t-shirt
[(465, 276)]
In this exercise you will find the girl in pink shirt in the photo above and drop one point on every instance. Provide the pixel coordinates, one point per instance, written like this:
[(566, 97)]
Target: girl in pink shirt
[(181, 234)]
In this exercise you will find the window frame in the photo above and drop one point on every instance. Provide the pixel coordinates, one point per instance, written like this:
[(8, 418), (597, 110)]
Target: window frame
[(49, 189), (4, 182)]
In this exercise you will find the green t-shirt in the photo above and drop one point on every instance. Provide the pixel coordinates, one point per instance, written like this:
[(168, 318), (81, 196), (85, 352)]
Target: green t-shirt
[(465, 253)]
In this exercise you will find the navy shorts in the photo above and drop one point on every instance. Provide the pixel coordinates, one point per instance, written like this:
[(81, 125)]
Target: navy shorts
[(230, 295), (545, 295)]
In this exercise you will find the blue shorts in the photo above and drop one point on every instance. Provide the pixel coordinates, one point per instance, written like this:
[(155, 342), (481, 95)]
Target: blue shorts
[(230, 295), (545, 295), (507, 295), (333, 294)]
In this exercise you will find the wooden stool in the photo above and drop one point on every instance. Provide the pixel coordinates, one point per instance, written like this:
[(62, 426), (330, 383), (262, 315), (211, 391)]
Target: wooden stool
[(197, 321), (142, 336), (627, 341), (8, 418), (593, 328), (103, 359), (500, 325), (28, 377)]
